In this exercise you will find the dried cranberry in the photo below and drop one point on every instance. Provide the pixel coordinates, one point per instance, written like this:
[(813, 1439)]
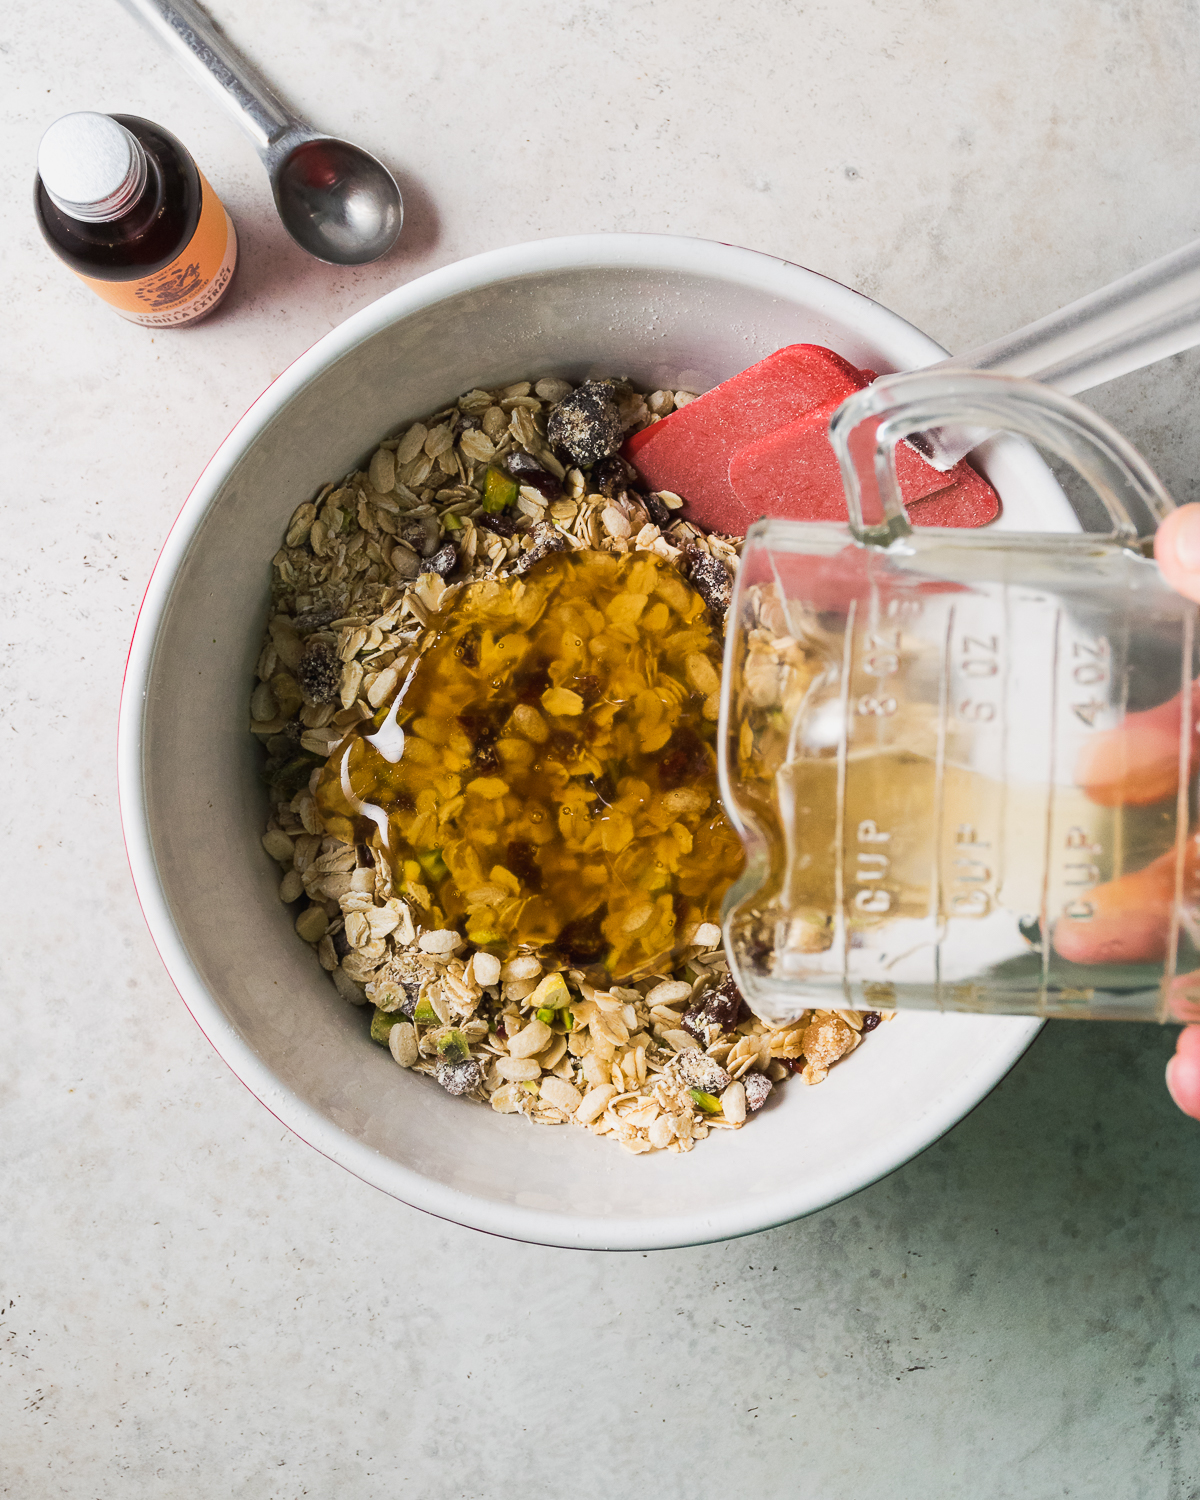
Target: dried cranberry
[(421, 533), (588, 688), (871, 1019), (315, 618), (525, 469), (603, 786)]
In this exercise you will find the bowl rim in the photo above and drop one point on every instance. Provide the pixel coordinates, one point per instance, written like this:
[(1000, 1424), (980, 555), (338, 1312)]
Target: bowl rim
[(729, 263)]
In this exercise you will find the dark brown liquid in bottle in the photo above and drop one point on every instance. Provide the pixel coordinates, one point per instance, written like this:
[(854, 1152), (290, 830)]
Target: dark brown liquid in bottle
[(150, 233)]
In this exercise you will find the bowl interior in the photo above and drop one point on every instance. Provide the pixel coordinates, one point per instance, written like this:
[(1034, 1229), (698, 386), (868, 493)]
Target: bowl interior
[(194, 806)]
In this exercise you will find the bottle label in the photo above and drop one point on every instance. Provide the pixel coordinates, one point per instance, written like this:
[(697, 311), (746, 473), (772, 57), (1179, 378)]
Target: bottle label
[(191, 285)]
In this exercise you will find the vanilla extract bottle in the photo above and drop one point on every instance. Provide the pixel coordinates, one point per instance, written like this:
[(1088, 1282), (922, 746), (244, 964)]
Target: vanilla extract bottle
[(121, 202)]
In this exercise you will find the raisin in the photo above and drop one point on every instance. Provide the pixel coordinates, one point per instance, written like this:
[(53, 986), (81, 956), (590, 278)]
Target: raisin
[(546, 539), (501, 525), (530, 684), (521, 858), (608, 476), (460, 1077), (588, 688), (443, 562), (710, 578), (292, 776), (716, 1011), (686, 758), (341, 944), (484, 732), (320, 672), (871, 1019), (587, 423), (525, 469), (583, 941), (658, 511), (364, 856), (603, 787), (467, 649), (421, 533), (315, 618)]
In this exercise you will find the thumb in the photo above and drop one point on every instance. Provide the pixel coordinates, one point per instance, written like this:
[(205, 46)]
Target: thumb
[(1183, 1072), (1177, 550)]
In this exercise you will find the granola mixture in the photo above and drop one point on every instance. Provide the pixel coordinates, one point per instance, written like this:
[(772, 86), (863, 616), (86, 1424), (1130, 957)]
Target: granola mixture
[(485, 490)]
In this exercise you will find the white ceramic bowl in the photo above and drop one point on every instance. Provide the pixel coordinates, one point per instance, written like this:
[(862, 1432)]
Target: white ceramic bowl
[(665, 311)]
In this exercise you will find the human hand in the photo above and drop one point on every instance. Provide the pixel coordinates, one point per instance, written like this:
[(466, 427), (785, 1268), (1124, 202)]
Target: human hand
[(1137, 764), (1177, 552)]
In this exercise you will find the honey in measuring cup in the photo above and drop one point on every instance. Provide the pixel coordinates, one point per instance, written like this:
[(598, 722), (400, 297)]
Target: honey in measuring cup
[(962, 763)]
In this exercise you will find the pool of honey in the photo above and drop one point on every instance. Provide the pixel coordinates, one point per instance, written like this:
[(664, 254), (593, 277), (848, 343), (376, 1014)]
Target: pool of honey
[(546, 773)]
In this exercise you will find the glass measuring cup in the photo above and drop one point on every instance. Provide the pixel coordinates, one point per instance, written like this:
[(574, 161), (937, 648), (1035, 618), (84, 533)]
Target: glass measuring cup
[(963, 763)]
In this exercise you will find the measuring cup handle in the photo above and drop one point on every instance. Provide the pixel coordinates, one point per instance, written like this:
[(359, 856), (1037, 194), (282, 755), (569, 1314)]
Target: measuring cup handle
[(865, 429)]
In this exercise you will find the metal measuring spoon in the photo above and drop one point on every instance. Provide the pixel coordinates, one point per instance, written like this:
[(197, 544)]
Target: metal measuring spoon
[(336, 200)]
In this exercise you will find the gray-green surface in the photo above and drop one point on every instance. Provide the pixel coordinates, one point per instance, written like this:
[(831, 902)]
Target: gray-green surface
[(192, 1303), (1013, 1314)]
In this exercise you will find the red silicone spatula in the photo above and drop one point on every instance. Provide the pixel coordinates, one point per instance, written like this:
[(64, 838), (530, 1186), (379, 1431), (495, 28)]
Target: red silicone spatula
[(793, 472), (757, 445), (689, 452)]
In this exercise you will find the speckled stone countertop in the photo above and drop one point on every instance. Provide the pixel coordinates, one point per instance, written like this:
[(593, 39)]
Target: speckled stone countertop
[(195, 1303)]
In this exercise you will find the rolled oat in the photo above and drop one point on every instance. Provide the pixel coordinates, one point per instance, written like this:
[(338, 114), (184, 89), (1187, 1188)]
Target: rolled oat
[(654, 1063)]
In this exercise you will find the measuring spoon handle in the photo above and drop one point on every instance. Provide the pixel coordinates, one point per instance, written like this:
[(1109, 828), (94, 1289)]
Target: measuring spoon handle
[(190, 35)]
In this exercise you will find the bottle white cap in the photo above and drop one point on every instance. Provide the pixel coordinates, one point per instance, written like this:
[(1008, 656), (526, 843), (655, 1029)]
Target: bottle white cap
[(91, 166)]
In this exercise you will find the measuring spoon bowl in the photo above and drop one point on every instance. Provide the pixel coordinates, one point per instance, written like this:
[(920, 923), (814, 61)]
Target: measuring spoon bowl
[(336, 200)]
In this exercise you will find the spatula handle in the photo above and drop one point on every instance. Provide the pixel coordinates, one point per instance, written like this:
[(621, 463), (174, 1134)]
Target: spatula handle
[(1134, 321)]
